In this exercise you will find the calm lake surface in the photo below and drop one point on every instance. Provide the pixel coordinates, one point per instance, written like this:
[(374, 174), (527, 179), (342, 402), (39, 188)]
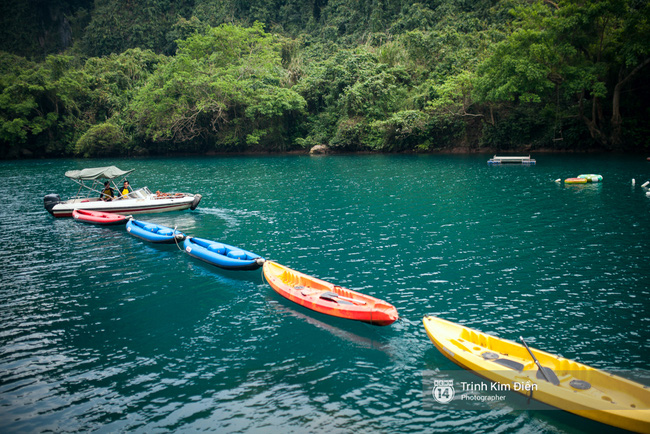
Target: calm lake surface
[(102, 332)]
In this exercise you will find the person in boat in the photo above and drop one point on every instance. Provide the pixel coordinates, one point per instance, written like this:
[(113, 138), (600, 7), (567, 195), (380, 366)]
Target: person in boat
[(107, 193), (126, 189)]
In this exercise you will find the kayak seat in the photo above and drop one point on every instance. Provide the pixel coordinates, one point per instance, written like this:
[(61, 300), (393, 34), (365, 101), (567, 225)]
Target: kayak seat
[(580, 384), (237, 254), (494, 357), (490, 355), (217, 248), (510, 364), (334, 299), (307, 292)]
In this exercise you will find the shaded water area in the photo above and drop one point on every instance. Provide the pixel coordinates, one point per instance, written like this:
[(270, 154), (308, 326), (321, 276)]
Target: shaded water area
[(102, 332)]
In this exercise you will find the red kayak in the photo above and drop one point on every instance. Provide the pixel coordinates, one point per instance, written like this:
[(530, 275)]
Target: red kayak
[(99, 218), (327, 298)]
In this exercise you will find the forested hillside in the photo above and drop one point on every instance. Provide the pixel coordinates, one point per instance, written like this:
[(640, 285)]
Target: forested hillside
[(140, 77)]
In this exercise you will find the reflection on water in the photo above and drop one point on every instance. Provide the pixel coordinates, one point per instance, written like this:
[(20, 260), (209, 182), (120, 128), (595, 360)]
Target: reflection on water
[(101, 331)]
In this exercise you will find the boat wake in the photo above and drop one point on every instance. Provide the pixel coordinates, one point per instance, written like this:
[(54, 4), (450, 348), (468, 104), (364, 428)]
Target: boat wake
[(233, 216)]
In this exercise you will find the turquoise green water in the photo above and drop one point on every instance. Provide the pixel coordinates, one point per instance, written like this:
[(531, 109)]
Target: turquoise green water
[(100, 331)]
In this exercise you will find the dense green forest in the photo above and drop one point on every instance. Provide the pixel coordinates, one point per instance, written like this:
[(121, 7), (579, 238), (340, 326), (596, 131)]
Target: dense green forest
[(143, 77)]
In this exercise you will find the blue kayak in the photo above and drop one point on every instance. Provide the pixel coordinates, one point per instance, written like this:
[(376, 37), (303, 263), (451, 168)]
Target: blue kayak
[(222, 255), (153, 233)]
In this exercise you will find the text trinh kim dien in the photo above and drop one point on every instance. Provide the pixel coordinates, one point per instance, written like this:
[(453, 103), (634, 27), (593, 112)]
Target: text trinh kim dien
[(499, 387)]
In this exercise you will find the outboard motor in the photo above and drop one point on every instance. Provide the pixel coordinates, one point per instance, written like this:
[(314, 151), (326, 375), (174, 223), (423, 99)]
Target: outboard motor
[(195, 202), (50, 200)]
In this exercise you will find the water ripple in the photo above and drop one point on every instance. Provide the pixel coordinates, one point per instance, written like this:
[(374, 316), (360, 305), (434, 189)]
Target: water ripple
[(102, 332)]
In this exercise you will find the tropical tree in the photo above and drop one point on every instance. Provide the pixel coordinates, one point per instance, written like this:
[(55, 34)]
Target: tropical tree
[(225, 87), (118, 25), (31, 104), (581, 55)]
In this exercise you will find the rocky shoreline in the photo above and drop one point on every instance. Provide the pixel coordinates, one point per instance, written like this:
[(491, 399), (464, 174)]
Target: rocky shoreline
[(323, 149)]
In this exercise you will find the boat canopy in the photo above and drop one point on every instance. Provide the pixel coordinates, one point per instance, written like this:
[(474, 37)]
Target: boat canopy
[(110, 172)]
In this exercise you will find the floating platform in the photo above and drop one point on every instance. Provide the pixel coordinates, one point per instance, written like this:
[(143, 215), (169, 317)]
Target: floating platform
[(512, 160)]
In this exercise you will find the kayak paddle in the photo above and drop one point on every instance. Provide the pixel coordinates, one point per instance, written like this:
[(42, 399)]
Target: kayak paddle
[(542, 369)]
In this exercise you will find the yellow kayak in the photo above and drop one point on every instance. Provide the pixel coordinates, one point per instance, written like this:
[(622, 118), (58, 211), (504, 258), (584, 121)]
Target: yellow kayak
[(562, 383)]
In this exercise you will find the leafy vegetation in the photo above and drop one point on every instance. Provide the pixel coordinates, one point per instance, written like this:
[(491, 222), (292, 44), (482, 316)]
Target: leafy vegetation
[(138, 77), (224, 88)]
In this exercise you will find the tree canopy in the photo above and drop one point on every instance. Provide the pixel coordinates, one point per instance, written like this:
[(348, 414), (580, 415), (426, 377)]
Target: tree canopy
[(111, 77)]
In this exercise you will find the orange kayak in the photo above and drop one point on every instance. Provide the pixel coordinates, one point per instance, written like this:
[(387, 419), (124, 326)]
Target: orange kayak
[(575, 181), (327, 298)]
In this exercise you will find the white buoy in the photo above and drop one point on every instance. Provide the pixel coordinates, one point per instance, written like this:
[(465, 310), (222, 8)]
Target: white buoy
[(633, 181), (558, 180), (645, 184)]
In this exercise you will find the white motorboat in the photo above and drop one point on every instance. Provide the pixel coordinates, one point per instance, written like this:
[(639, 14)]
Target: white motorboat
[(139, 201)]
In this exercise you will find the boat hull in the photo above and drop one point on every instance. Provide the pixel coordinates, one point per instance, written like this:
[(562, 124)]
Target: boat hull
[(327, 298), (580, 389), (153, 233), (125, 206), (99, 218), (222, 255)]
